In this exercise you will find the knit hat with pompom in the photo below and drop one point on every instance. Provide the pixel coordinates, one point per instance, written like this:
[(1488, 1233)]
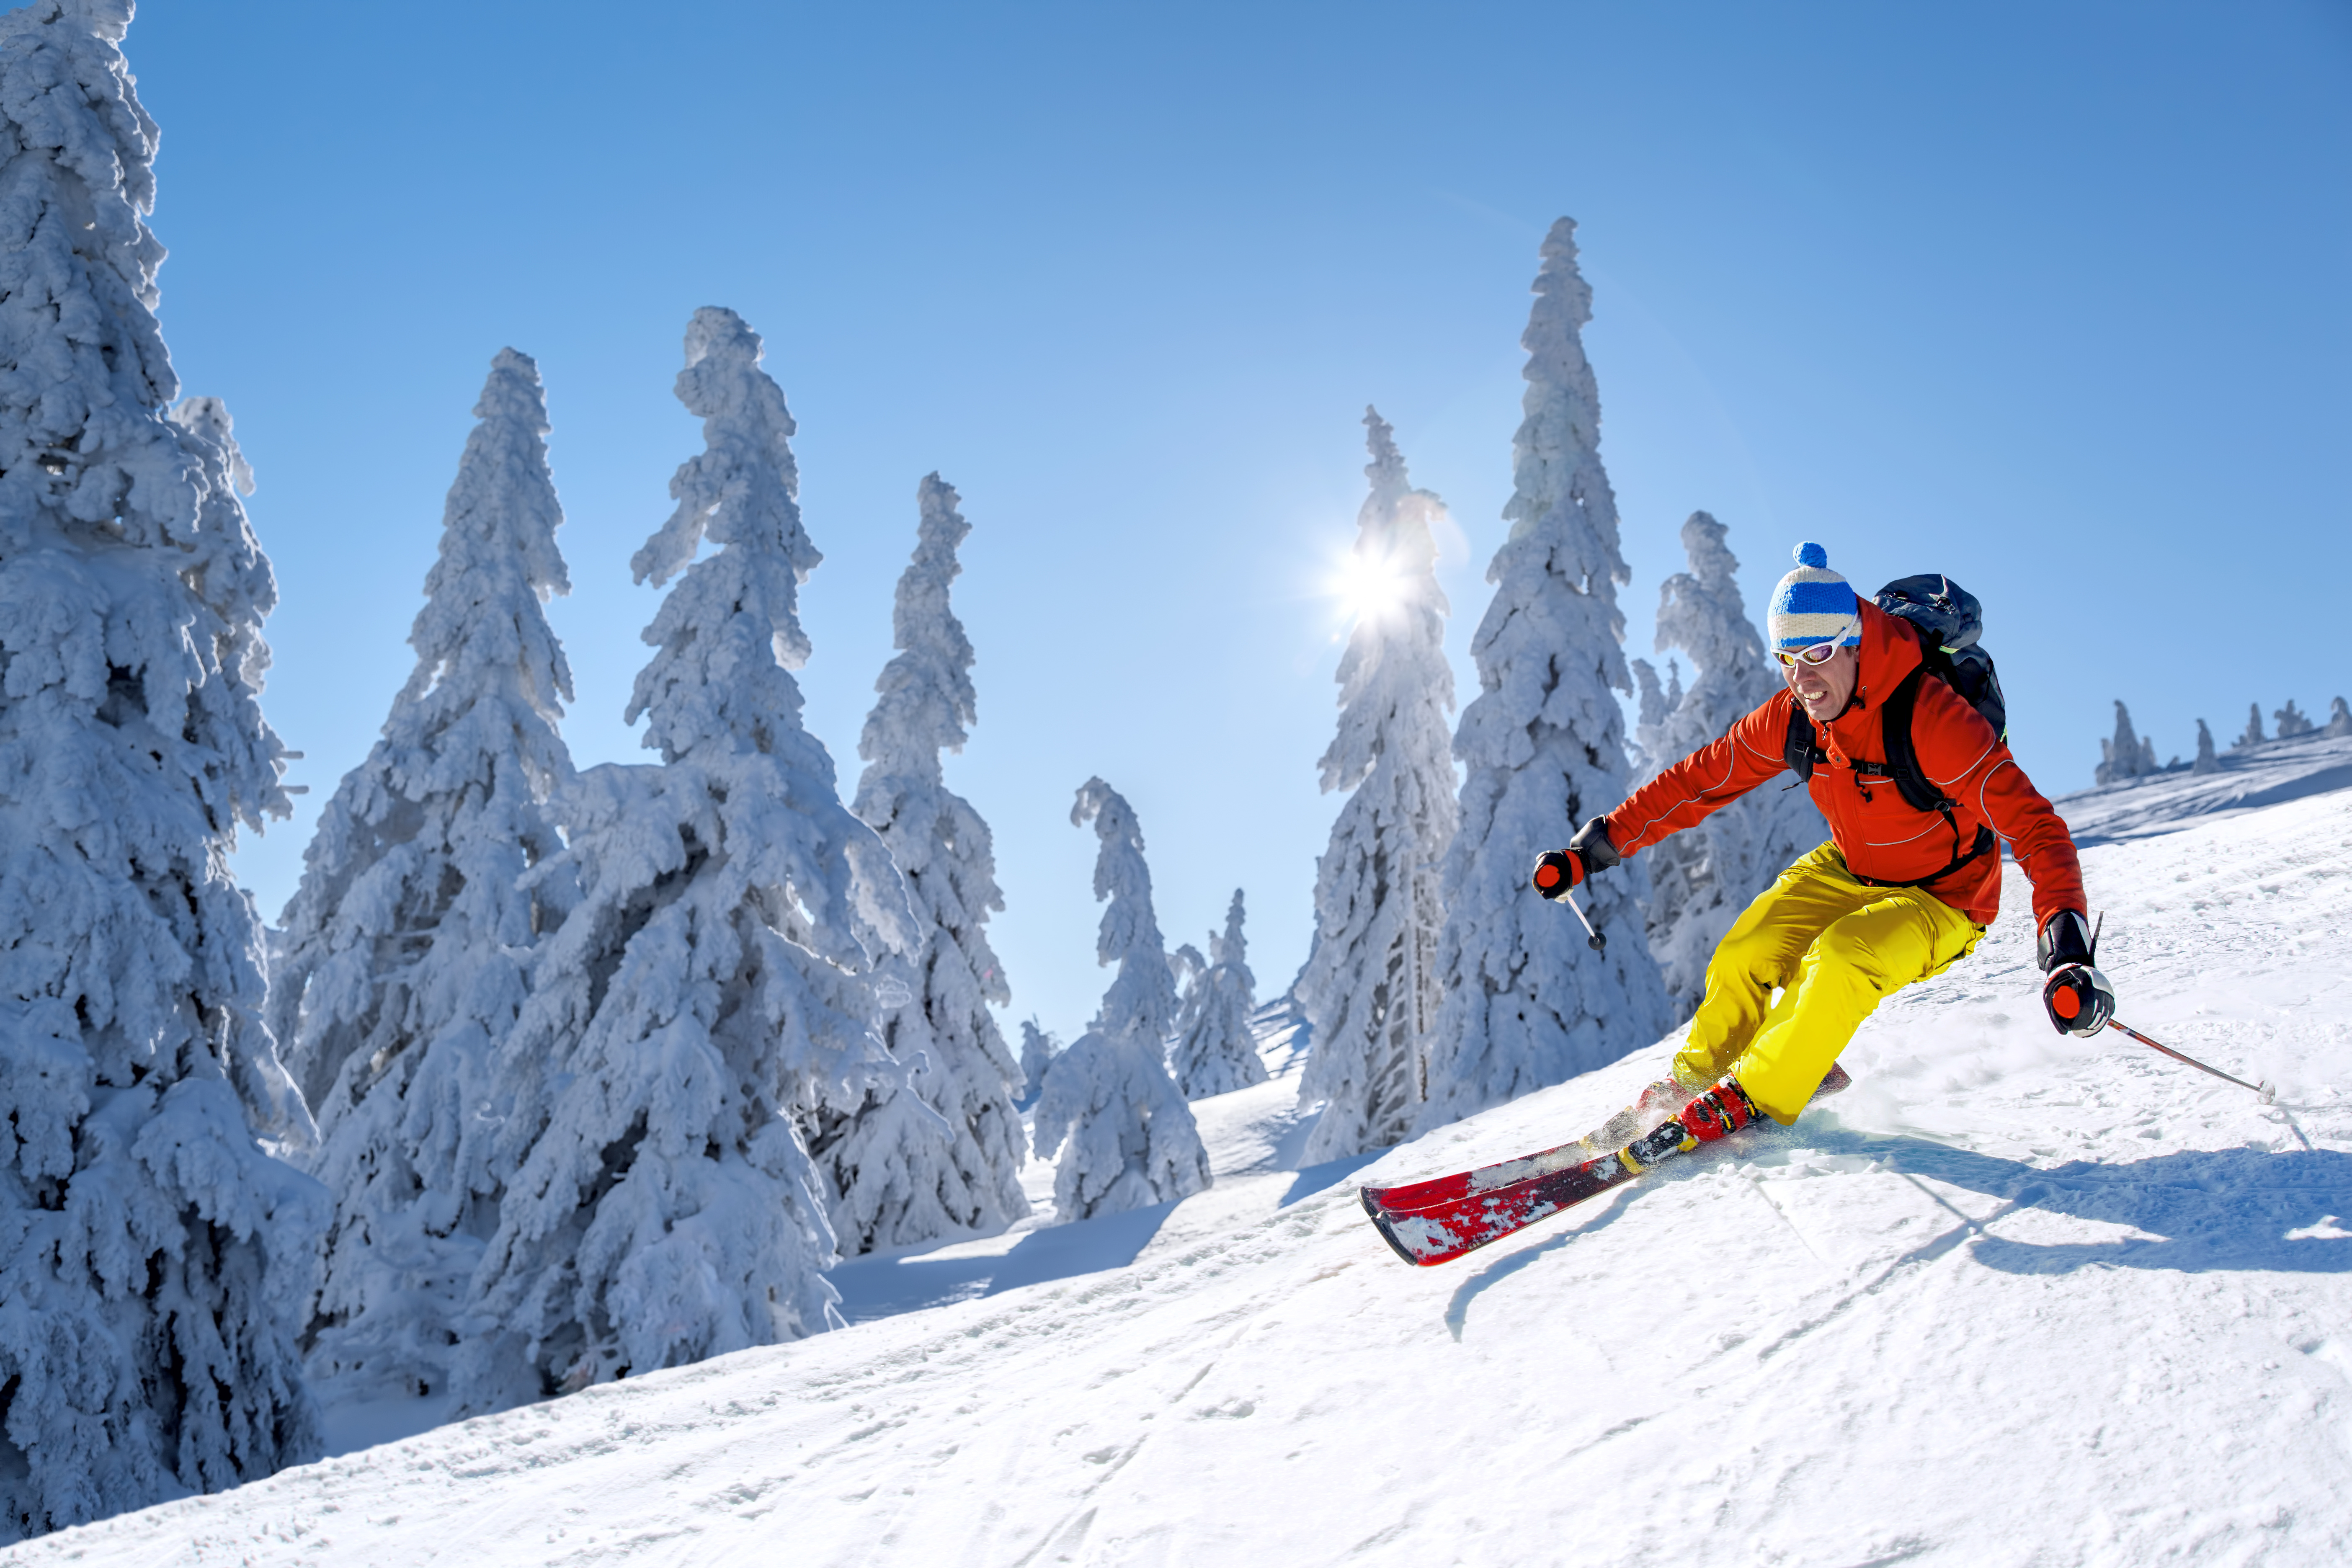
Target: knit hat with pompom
[(1813, 605)]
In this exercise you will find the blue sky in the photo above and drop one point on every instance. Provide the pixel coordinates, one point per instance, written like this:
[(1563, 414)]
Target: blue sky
[(2048, 297)]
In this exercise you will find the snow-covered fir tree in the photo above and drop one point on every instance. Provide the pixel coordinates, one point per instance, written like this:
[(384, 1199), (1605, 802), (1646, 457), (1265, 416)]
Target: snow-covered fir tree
[(1130, 1139), (714, 983), (152, 1255), (1214, 1051), (1702, 878), (2125, 757), (2206, 763), (2291, 722), (895, 1181), (1039, 1046), (405, 951), (2253, 735), (1369, 988), (2339, 719), (1190, 970), (1654, 705), (1525, 1003)]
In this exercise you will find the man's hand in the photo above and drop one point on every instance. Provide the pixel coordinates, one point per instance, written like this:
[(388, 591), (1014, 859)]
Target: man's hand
[(1557, 871), (2076, 995), (2079, 999)]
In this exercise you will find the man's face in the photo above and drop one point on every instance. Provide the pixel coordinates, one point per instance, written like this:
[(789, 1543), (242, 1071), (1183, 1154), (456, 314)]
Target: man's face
[(1823, 690)]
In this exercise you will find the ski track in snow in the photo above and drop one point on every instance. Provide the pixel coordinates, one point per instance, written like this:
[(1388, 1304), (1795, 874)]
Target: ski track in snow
[(2015, 1299)]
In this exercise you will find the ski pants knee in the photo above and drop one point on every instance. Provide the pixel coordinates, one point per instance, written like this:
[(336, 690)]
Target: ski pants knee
[(1833, 946)]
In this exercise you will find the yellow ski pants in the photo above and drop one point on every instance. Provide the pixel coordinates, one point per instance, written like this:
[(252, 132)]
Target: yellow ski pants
[(1833, 946)]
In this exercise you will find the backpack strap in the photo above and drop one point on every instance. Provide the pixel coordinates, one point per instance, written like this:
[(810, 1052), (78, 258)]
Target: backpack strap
[(1798, 749), (1902, 758)]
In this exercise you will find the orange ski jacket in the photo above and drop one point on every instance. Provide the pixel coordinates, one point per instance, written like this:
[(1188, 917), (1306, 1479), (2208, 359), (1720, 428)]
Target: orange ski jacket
[(1882, 838)]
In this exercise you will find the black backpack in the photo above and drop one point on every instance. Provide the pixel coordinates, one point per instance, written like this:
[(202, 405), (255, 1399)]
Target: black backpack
[(1947, 620)]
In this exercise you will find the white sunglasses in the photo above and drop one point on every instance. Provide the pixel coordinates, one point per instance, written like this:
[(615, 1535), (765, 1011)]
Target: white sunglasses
[(1820, 653)]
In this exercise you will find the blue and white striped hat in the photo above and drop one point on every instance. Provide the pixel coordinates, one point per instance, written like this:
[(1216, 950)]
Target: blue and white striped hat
[(1813, 605)]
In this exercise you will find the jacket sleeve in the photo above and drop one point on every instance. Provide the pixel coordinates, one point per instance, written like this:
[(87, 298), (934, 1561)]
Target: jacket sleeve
[(1707, 780), (1961, 756)]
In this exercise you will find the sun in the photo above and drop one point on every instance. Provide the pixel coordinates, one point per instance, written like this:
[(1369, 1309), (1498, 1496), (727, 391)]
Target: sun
[(1369, 586)]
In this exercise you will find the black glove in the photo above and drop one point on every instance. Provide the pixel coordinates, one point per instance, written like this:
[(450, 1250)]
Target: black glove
[(1591, 844), (1556, 871), (2077, 997)]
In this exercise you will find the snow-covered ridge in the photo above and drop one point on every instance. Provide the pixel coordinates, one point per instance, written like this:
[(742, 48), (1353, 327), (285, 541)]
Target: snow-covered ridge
[(2013, 1299), (2245, 779)]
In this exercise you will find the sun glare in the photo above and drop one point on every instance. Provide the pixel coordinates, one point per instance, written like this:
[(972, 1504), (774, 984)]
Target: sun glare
[(1368, 586)]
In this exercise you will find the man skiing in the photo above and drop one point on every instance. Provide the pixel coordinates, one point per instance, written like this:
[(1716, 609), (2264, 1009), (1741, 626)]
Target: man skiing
[(1898, 894)]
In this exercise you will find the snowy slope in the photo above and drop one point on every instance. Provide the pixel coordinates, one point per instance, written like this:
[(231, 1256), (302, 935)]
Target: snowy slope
[(2014, 1299)]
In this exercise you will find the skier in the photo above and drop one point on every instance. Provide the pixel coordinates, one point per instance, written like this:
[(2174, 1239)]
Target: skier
[(1898, 893)]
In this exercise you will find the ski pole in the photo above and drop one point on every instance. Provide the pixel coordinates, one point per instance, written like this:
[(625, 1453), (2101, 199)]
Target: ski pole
[(1593, 939), (2264, 1090)]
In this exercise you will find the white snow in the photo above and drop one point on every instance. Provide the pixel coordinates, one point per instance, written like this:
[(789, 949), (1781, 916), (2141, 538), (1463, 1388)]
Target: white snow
[(2012, 1299)]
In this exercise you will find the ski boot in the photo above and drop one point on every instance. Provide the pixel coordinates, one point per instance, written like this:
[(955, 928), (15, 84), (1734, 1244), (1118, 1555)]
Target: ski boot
[(1719, 1113)]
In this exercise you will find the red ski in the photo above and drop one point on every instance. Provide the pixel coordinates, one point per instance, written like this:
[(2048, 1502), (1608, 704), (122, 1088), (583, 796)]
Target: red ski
[(1440, 1219), (1442, 1231)]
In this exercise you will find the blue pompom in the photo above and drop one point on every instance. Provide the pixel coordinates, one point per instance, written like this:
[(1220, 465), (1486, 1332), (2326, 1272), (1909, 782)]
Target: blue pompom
[(1809, 554)]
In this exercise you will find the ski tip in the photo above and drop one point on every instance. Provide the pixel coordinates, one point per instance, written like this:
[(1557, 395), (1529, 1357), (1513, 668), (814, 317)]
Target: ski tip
[(2268, 1092), (1379, 1220)]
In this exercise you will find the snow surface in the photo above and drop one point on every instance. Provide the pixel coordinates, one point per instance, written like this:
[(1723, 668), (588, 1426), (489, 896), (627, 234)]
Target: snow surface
[(2012, 1299)]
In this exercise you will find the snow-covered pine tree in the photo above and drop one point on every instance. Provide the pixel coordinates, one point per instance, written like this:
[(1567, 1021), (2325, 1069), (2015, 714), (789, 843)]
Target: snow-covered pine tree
[(2122, 758), (155, 1256), (1188, 969), (2253, 735), (1526, 1003), (1131, 1142), (404, 952), (1039, 1046), (2339, 720), (2206, 763), (895, 1182), (1369, 988), (1702, 879), (714, 982), (1652, 707), (2291, 722), (1214, 1051)]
